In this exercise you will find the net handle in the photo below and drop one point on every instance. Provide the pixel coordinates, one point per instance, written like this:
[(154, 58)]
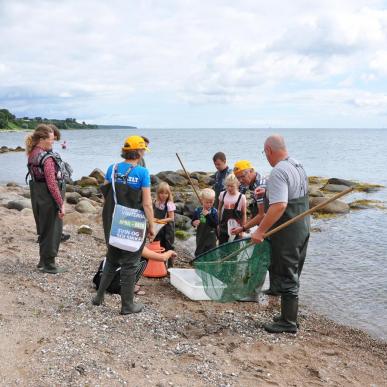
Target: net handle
[(188, 177), (289, 222)]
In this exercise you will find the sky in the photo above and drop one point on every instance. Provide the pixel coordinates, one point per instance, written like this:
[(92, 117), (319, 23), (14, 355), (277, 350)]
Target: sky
[(187, 64)]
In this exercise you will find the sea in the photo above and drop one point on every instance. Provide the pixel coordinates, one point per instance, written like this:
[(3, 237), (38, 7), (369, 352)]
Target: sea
[(345, 273)]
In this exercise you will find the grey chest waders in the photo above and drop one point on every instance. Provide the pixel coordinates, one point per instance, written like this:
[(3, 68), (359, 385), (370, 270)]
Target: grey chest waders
[(48, 224), (288, 255), (128, 261)]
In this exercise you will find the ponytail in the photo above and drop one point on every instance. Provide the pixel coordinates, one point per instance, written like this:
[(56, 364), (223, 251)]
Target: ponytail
[(42, 131)]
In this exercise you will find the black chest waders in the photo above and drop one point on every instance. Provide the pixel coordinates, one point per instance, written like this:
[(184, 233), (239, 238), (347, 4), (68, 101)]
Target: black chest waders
[(228, 213), (166, 235), (115, 257), (48, 225), (205, 238)]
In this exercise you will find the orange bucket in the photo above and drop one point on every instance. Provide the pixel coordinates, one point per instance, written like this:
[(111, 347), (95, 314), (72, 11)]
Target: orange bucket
[(155, 269)]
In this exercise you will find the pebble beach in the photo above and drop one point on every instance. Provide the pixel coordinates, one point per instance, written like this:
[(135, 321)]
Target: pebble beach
[(54, 336)]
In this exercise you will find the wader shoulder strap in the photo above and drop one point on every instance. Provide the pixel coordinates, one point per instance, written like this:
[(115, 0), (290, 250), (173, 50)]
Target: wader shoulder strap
[(237, 202), (302, 175), (114, 170)]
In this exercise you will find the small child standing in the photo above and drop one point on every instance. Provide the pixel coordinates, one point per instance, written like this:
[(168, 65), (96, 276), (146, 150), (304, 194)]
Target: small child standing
[(232, 206), (205, 219), (164, 209)]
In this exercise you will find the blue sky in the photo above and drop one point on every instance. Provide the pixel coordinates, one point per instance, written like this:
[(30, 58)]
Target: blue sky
[(197, 63)]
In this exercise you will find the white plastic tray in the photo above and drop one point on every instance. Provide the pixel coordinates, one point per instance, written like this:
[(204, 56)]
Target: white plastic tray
[(189, 283)]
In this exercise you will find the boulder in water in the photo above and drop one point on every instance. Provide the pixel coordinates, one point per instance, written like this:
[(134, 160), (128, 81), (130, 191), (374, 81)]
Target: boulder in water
[(335, 187), (335, 207), (347, 183)]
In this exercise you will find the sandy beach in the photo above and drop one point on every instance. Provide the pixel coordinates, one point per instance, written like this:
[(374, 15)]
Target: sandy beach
[(52, 335)]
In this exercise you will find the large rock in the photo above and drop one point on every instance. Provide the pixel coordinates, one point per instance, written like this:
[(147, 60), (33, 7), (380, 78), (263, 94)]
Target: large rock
[(85, 207), (314, 192), (182, 222), (87, 181), (87, 192), (98, 174), (154, 180), (337, 181), (162, 175), (179, 208), (335, 207), (335, 187), (6, 197), (189, 207), (174, 179), (19, 204), (12, 184), (73, 197)]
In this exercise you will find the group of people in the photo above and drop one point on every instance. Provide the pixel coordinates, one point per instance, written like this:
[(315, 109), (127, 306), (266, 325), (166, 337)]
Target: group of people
[(221, 217)]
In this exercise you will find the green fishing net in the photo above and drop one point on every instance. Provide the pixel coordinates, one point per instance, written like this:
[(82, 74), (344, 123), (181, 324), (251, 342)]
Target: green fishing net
[(234, 270)]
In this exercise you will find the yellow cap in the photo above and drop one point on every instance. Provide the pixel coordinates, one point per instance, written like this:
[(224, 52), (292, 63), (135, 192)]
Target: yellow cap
[(242, 165), (134, 143)]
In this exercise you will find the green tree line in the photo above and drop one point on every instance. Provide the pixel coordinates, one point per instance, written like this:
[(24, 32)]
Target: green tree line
[(9, 121)]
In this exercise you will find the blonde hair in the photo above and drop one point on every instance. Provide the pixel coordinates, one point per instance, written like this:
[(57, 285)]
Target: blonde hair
[(164, 187), (231, 179), (41, 132), (207, 194)]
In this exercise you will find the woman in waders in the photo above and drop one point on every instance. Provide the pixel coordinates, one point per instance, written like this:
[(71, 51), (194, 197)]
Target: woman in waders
[(47, 187), (132, 188), (232, 207)]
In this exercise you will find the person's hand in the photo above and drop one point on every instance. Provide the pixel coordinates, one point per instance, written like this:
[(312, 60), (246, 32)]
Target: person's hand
[(170, 254), (236, 230), (257, 236), (61, 212), (259, 191), (196, 223), (151, 233), (205, 212)]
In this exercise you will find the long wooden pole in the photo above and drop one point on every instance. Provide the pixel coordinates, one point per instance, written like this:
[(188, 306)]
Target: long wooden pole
[(289, 222), (189, 178)]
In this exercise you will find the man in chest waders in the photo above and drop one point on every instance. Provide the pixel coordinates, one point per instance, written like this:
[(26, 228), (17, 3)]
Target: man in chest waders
[(287, 193)]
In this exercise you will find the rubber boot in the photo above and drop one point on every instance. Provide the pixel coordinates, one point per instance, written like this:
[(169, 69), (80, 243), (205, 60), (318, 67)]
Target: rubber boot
[(106, 280), (127, 297), (288, 320), (277, 318), (40, 264), (50, 267)]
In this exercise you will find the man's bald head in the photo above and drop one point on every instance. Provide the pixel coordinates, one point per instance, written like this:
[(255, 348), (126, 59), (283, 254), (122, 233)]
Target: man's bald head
[(276, 142), (275, 149)]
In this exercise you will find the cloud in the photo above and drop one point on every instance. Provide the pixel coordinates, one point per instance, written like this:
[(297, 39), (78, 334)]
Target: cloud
[(74, 58)]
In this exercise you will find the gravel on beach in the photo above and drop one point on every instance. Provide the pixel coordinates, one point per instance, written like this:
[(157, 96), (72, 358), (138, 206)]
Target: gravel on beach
[(50, 333)]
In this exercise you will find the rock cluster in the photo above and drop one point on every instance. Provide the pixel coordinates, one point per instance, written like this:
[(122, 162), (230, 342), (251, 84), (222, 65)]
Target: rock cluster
[(5, 149)]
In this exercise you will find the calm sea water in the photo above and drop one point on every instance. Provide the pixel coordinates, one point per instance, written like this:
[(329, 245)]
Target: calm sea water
[(345, 275)]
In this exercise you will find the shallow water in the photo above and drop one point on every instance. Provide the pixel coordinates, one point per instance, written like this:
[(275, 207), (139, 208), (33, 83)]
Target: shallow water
[(345, 275)]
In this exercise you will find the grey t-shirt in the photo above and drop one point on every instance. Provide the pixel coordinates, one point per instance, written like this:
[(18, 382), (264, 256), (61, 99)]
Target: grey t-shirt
[(287, 181)]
